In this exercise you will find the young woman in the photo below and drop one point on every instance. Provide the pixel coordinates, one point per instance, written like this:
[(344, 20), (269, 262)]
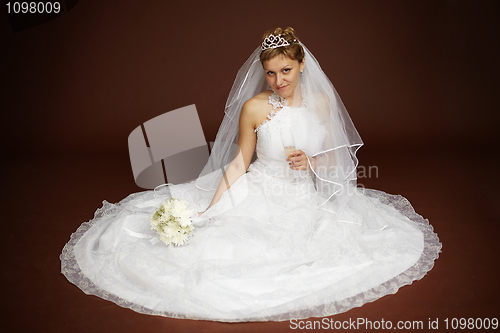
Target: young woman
[(280, 238)]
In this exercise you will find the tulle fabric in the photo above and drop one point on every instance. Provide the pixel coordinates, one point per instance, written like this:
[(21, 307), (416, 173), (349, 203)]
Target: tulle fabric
[(270, 249), (171, 303), (335, 154)]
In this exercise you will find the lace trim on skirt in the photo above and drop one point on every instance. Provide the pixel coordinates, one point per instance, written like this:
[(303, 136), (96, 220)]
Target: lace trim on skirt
[(432, 248)]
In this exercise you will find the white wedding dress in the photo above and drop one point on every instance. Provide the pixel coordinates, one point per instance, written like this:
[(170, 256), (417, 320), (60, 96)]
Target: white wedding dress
[(266, 251)]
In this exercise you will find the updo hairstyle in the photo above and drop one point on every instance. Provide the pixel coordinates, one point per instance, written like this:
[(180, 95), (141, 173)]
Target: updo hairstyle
[(293, 51)]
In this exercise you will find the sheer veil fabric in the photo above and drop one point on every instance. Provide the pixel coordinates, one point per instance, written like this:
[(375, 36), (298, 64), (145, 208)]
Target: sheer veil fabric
[(280, 244), (335, 156)]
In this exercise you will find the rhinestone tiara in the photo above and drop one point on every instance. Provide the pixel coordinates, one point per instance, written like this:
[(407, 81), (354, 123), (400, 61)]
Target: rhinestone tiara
[(272, 42)]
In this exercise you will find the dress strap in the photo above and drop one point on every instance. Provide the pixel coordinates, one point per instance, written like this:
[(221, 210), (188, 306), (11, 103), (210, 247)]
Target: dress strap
[(277, 101)]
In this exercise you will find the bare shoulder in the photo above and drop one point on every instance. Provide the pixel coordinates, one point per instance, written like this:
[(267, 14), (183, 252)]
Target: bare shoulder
[(257, 103), (256, 109)]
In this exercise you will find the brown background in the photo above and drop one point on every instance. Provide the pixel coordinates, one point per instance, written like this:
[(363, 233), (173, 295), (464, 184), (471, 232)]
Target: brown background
[(419, 78)]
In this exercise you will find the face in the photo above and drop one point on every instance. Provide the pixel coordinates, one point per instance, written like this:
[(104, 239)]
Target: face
[(282, 74)]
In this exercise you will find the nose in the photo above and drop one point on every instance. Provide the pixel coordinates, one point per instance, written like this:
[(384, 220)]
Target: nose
[(279, 79)]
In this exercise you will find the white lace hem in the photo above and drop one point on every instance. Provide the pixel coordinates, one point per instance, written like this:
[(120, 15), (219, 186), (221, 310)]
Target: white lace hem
[(432, 248)]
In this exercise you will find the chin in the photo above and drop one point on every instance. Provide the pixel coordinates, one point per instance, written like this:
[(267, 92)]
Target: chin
[(283, 93)]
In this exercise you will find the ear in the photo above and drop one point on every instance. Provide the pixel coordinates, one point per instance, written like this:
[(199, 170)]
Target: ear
[(302, 64)]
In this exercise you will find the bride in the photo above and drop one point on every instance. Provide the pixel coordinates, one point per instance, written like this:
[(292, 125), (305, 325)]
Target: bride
[(288, 236)]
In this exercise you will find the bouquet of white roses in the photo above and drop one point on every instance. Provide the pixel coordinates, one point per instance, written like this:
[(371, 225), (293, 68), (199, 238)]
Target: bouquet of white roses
[(173, 222)]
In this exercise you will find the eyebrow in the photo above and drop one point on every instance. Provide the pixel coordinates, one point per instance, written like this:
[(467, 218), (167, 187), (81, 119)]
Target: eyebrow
[(268, 70)]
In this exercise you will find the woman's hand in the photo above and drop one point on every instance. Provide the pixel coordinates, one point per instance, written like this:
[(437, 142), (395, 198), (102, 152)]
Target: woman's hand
[(298, 160)]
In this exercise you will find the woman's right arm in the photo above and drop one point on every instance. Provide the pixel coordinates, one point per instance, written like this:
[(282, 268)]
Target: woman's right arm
[(247, 140)]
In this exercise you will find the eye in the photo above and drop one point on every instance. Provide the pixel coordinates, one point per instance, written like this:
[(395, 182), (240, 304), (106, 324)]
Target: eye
[(286, 70), (270, 73)]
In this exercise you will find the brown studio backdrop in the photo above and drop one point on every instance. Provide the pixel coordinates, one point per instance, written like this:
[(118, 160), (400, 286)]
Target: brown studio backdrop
[(420, 74), (410, 73)]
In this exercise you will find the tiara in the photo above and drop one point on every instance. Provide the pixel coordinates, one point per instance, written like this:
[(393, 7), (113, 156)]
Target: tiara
[(272, 42)]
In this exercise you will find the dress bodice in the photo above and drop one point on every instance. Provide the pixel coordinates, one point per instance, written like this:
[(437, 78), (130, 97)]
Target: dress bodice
[(307, 131)]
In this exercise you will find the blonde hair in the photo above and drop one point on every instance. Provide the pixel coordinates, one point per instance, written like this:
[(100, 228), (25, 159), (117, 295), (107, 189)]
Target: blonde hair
[(293, 51)]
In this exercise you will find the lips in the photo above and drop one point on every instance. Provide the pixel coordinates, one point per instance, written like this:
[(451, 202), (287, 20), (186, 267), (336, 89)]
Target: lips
[(282, 87)]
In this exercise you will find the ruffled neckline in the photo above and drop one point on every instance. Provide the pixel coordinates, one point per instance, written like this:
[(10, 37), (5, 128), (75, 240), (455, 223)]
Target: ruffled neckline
[(278, 103)]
